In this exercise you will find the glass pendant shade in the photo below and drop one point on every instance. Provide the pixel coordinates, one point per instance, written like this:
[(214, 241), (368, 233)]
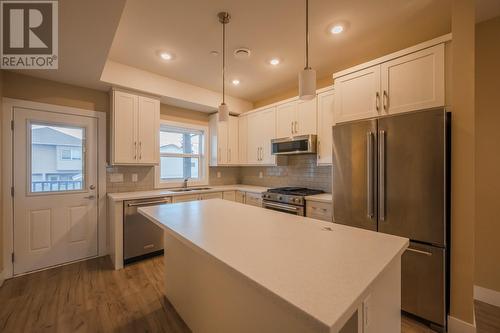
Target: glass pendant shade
[(307, 84), (223, 112)]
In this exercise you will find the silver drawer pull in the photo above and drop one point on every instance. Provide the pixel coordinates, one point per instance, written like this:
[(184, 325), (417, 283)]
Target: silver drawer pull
[(419, 252)]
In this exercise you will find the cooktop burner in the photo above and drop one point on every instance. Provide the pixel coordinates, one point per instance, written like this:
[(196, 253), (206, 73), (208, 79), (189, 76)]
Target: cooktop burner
[(300, 191)]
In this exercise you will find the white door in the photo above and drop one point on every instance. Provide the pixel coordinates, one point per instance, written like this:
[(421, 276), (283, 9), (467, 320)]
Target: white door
[(414, 82), (357, 95), (285, 119), (148, 130), (267, 132), (306, 118), (124, 128), (55, 189), (325, 123), (232, 140), (242, 139)]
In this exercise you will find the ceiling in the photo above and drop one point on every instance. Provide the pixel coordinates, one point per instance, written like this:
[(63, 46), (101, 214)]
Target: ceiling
[(190, 29)]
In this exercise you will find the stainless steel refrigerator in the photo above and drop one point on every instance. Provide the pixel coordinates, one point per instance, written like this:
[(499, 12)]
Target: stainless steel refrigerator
[(391, 175)]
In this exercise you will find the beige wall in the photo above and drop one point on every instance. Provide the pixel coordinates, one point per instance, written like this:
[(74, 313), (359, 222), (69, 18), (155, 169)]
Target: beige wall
[(487, 235), (169, 112), (462, 163)]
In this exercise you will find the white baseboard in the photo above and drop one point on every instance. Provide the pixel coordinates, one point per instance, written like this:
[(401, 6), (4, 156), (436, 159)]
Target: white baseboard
[(485, 295), (456, 325)]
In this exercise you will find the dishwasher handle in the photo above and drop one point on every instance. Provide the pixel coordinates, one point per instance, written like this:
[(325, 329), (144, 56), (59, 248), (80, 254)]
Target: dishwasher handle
[(149, 203)]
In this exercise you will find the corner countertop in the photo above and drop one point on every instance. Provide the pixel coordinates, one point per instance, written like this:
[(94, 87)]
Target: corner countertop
[(168, 192), (323, 197), (320, 268)]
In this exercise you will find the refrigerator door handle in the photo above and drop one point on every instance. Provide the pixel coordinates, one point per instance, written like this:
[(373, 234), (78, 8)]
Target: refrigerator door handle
[(369, 174), (381, 175)]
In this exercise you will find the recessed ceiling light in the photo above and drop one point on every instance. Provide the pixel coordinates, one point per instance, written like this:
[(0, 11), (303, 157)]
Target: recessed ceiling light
[(166, 56), (274, 61), (236, 82), (337, 29)]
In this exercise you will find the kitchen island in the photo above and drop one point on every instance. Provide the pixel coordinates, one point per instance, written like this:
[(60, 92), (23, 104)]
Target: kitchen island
[(237, 268)]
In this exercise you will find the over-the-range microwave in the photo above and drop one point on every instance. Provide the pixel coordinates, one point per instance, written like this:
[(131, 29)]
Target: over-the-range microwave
[(303, 144)]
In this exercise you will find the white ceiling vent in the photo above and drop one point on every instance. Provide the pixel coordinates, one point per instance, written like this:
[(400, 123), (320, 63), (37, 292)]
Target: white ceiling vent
[(242, 53)]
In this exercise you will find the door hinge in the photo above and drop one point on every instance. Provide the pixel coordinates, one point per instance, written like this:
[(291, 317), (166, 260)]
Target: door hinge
[(12, 124), (12, 256), (12, 191)]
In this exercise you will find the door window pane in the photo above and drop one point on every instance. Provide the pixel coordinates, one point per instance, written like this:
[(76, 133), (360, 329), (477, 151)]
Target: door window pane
[(57, 162)]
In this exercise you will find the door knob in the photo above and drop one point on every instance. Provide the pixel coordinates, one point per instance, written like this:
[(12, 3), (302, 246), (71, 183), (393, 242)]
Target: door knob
[(92, 187)]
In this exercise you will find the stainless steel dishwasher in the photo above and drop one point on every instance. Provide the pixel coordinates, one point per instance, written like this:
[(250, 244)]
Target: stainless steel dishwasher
[(141, 237)]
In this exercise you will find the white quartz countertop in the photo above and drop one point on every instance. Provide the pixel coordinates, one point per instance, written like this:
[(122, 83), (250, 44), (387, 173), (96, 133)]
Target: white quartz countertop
[(320, 268), (323, 197), (168, 192)]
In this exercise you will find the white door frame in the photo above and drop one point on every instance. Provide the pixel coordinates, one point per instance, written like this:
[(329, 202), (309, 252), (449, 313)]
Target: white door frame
[(8, 106)]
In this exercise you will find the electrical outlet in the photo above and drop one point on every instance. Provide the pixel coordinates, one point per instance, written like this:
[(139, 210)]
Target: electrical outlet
[(219, 174), (116, 177), (261, 174), (135, 177)]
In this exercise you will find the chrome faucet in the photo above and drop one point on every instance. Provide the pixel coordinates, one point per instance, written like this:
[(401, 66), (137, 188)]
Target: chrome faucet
[(185, 183)]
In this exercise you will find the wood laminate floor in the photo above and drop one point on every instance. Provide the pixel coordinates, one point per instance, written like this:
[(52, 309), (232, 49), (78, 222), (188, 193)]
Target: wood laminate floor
[(89, 296)]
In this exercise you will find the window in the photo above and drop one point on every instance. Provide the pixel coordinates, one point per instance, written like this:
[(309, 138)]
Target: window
[(66, 154), (182, 154)]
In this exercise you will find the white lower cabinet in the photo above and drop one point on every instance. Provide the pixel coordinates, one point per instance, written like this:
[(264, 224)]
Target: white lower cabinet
[(240, 196), (253, 199), (319, 210), (229, 195), (185, 198), (213, 195)]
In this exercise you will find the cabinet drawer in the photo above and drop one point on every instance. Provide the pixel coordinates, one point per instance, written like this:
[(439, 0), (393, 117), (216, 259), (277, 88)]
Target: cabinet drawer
[(206, 196), (253, 199), (229, 195), (319, 210), (184, 198)]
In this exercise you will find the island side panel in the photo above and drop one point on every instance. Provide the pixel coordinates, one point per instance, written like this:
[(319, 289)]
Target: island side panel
[(210, 297), (115, 217)]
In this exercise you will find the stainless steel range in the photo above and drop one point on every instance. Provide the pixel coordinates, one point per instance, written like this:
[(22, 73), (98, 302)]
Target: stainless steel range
[(289, 200)]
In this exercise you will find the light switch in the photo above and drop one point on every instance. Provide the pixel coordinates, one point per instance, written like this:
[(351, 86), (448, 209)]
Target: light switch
[(134, 177), (116, 177)]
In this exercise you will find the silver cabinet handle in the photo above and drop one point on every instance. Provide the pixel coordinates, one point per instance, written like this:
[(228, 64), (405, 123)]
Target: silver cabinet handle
[(140, 150), (291, 127), (319, 150), (419, 252), (369, 174), (377, 101), (381, 175), (135, 150), (386, 100), (296, 127), (229, 153)]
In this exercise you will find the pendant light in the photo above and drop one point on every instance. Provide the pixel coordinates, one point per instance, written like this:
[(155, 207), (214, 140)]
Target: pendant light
[(307, 77), (224, 18)]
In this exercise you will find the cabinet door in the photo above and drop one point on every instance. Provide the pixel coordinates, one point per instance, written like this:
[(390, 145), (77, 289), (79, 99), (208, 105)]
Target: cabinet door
[(414, 82), (240, 196), (325, 124), (253, 137), (215, 195), (253, 199), (184, 198), (229, 195), (148, 130), (232, 140), (242, 139), (222, 148), (357, 95), (285, 119), (267, 121), (124, 136), (306, 117)]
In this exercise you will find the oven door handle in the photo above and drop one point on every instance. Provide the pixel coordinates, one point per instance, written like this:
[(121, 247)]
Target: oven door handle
[(284, 207)]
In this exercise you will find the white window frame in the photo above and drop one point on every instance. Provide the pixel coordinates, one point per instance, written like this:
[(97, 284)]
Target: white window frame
[(203, 179)]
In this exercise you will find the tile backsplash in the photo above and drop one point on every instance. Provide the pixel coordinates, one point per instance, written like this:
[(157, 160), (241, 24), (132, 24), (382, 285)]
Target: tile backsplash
[(298, 170)]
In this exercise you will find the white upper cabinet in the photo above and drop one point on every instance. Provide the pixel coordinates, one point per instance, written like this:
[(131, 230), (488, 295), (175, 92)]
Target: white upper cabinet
[(135, 129), (242, 139), (296, 118), (223, 141), (286, 115), (261, 130), (399, 83), (414, 82), (306, 117), (357, 95), (326, 121)]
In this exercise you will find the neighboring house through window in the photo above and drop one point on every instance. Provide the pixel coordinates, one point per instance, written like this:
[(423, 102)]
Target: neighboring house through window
[(183, 149)]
